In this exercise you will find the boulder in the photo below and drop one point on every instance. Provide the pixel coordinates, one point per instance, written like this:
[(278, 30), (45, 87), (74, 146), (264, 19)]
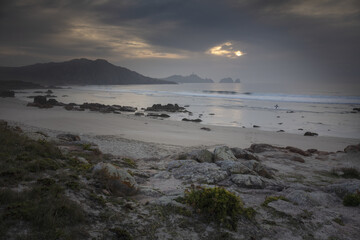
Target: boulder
[(117, 180), (286, 207), (166, 108), (203, 155), (298, 151), (191, 120), (68, 137), (297, 159), (243, 154), (163, 115), (259, 168), (310, 134), (223, 153), (352, 148), (233, 167), (261, 147), (248, 181), (193, 172), (41, 100)]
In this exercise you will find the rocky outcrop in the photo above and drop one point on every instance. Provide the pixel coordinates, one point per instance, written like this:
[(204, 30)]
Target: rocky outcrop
[(310, 134), (191, 120), (202, 155), (68, 137), (223, 153), (7, 93), (117, 180), (248, 181), (261, 147), (162, 115), (243, 154), (352, 149), (298, 151), (166, 108)]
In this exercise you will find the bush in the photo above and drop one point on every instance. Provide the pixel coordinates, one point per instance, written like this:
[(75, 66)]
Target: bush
[(352, 200), (218, 205)]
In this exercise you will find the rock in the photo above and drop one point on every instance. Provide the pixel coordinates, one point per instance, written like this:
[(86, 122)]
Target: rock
[(203, 155), (158, 115), (223, 153), (235, 167), (346, 187), (40, 100), (7, 93), (117, 180), (49, 91), (248, 181), (356, 109), (297, 159), (191, 120), (285, 207), (310, 134), (82, 160), (69, 107), (139, 114), (166, 108), (68, 137), (243, 154), (193, 172), (205, 129), (280, 130), (256, 126), (298, 151), (352, 148), (259, 168), (262, 147)]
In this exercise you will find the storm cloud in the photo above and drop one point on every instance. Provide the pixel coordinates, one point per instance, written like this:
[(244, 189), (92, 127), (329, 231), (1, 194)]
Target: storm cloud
[(253, 40)]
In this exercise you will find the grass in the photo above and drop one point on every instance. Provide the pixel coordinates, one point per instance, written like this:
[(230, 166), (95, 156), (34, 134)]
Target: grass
[(218, 205), (272, 199), (352, 200)]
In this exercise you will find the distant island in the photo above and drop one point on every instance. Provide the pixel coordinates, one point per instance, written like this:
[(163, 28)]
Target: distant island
[(193, 78), (77, 72), (229, 80)]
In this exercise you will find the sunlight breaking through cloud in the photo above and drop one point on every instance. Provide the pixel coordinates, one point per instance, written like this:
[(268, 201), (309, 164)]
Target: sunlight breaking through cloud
[(226, 50)]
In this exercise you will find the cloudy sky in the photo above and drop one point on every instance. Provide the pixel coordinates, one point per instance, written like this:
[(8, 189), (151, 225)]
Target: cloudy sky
[(275, 41)]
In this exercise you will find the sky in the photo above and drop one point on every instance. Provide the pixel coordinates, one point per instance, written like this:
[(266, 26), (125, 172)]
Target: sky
[(280, 41)]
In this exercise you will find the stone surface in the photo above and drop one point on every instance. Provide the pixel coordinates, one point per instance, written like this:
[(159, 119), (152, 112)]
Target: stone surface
[(223, 153), (233, 167), (193, 172), (243, 154), (261, 147), (346, 187), (68, 137), (248, 181), (202, 155)]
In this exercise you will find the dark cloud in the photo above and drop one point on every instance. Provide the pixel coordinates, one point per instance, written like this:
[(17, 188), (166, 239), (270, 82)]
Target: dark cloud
[(283, 40)]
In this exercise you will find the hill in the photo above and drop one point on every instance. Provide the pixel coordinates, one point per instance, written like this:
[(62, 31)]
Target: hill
[(193, 78), (77, 71)]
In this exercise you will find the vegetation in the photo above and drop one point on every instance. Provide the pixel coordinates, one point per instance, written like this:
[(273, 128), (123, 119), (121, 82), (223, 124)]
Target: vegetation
[(218, 204), (346, 172), (352, 200), (272, 199)]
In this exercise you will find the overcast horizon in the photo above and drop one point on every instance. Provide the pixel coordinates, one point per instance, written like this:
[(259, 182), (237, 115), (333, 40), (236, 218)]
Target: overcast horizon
[(282, 41)]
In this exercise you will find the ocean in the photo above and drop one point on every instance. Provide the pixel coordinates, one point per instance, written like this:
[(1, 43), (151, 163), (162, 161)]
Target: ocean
[(300, 108)]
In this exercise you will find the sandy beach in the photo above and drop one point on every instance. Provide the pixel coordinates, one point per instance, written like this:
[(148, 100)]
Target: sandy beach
[(156, 131)]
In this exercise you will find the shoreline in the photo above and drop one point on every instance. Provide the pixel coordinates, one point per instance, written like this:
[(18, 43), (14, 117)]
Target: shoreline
[(158, 131)]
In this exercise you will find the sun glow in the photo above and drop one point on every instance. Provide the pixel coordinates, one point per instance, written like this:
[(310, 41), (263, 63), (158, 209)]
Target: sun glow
[(226, 50)]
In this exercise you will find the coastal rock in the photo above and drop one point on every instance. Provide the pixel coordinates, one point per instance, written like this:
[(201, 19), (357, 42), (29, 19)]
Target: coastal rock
[(352, 148), (248, 181), (261, 147), (223, 153), (191, 120), (298, 151), (259, 168), (166, 108), (7, 93), (40, 100), (68, 137), (346, 187), (310, 134), (233, 167), (139, 114), (202, 155), (205, 129), (163, 115), (297, 159), (285, 207), (193, 172), (117, 180), (243, 154)]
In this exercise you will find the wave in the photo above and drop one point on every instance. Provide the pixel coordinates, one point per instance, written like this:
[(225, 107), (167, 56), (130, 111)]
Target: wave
[(228, 95)]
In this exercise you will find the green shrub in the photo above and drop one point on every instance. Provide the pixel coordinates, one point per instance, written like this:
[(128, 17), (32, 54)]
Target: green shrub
[(352, 200), (272, 199), (218, 205)]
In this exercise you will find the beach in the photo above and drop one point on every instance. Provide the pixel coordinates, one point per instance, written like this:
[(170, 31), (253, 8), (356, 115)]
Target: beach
[(158, 131)]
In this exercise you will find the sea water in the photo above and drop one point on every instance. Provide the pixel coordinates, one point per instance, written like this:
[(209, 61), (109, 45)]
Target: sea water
[(273, 107)]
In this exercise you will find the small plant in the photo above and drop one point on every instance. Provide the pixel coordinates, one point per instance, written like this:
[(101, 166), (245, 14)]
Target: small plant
[(218, 205), (130, 162), (339, 221), (272, 199), (352, 200)]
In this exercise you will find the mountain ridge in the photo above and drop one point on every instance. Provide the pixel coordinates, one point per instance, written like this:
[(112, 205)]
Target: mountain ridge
[(77, 71)]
